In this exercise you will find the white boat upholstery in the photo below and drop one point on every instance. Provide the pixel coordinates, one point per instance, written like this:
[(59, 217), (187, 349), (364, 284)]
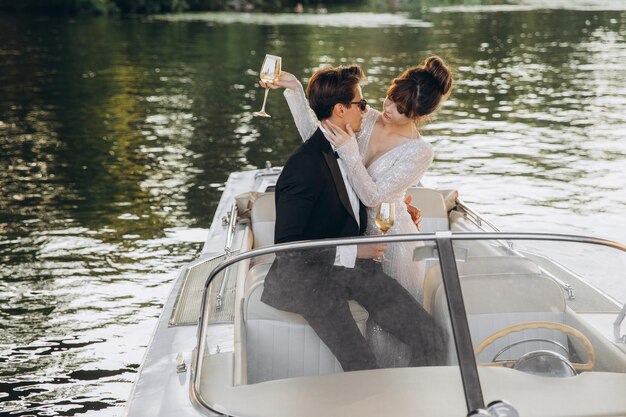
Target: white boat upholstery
[(280, 344), (263, 215), (433, 206), (499, 292), (475, 265), (497, 265)]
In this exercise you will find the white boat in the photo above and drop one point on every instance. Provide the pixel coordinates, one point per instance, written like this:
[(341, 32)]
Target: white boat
[(535, 325)]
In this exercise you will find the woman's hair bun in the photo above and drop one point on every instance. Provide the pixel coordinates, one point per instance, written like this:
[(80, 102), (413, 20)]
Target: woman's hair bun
[(436, 67), (419, 90)]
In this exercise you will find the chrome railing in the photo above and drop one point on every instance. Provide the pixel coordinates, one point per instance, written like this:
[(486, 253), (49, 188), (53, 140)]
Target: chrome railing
[(619, 338)]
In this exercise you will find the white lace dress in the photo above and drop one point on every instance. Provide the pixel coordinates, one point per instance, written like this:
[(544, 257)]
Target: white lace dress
[(384, 180)]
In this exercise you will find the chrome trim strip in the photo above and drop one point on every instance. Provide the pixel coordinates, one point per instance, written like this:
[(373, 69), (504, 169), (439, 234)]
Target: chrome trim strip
[(477, 218), (230, 233), (616, 326), (230, 238), (219, 298)]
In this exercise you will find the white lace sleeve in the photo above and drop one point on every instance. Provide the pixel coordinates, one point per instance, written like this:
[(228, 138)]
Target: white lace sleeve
[(303, 116), (399, 174)]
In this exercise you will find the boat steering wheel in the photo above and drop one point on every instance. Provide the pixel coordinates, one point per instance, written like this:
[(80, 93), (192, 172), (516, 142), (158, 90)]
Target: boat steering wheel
[(591, 353)]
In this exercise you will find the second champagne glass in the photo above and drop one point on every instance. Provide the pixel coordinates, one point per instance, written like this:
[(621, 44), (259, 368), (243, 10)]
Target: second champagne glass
[(270, 71), (385, 215)]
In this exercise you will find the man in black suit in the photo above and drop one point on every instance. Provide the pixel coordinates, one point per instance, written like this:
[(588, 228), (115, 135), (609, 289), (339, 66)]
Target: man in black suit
[(314, 201)]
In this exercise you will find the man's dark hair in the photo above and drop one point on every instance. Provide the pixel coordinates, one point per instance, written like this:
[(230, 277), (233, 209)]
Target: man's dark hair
[(332, 85)]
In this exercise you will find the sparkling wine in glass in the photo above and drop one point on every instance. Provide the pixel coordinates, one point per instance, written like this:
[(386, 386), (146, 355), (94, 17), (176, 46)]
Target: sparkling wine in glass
[(270, 71), (385, 215)]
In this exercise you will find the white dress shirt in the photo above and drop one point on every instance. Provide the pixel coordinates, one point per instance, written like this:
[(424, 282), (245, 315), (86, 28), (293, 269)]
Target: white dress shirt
[(346, 255)]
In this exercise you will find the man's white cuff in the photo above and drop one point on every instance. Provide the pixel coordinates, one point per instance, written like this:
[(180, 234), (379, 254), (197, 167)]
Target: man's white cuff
[(345, 256)]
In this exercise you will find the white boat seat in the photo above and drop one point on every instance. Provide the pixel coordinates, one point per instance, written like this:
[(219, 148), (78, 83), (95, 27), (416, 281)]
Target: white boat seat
[(499, 293), (477, 265), (263, 217), (481, 265), (431, 202), (280, 344), (433, 206)]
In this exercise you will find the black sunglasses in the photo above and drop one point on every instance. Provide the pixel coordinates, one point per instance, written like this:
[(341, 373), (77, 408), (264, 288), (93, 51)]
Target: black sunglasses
[(362, 104)]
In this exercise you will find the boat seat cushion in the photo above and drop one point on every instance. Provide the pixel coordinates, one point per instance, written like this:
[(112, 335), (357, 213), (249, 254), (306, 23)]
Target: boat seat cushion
[(495, 301), (263, 217), (433, 207), (281, 344), (477, 265)]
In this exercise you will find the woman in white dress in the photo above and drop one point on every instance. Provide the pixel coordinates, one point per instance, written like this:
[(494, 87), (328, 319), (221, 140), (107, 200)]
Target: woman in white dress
[(388, 155)]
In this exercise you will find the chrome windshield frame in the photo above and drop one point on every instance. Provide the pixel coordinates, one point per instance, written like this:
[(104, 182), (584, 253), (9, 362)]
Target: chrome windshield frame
[(447, 260)]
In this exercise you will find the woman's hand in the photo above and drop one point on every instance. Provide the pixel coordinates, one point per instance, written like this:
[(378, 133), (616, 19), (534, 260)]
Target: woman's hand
[(285, 80), (337, 136), (416, 214), (371, 251)]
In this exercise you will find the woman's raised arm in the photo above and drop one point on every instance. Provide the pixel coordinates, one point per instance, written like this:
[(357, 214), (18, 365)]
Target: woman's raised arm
[(303, 116)]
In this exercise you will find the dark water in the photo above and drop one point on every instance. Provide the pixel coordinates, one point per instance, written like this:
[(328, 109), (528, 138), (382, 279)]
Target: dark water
[(116, 137)]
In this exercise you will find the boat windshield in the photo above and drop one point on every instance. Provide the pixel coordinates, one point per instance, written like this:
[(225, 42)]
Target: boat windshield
[(438, 326), (541, 310)]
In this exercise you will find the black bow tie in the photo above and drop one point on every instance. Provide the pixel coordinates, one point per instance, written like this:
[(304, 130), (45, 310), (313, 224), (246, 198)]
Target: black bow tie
[(337, 155)]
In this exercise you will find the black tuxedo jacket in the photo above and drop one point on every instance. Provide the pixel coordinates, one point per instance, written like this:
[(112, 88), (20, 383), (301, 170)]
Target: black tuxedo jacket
[(311, 203)]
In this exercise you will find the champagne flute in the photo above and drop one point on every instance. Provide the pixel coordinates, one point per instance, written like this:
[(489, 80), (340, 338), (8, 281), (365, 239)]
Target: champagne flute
[(385, 215), (270, 71)]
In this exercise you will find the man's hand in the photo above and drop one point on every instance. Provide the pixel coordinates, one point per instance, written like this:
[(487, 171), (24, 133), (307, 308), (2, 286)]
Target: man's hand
[(416, 214), (371, 251)]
